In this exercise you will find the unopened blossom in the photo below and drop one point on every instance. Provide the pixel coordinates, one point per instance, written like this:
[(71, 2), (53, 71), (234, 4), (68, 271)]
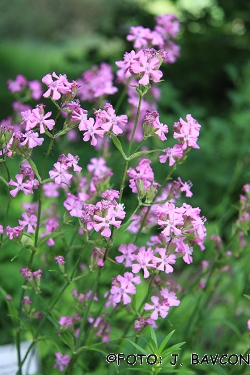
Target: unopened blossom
[(62, 361), (26, 300), (59, 259)]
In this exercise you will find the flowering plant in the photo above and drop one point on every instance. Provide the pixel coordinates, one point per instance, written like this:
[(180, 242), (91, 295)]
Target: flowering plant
[(75, 229)]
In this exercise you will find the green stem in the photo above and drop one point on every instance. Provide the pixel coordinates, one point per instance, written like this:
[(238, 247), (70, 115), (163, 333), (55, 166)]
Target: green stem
[(124, 174), (9, 199)]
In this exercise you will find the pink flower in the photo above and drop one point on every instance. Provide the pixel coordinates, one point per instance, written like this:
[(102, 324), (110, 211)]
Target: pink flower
[(25, 186), (31, 138), (165, 261), (140, 35), (60, 175), (92, 128), (121, 288), (159, 308), (30, 220), (187, 132), (18, 84), (170, 297), (128, 256), (173, 153), (58, 87), (144, 260), (147, 67), (105, 222), (37, 118), (61, 361), (96, 82), (73, 205), (110, 121)]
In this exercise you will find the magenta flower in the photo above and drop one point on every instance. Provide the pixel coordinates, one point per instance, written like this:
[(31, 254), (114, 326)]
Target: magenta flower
[(96, 82), (173, 153), (159, 308), (25, 186), (147, 67), (30, 220), (105, 222), (92, 128), (121, 288), (37, 118), (140, 36), (61, 361), (187, 132), (144, 260), (110, 121), (58, 87), (128, 254), (165, 261), (60, 175), (32, 139)]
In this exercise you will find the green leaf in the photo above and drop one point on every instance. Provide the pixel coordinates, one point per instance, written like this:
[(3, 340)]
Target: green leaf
[(13, 313), (218, 369), (164, 342), (245, 295), (140, 153), (172, 348), (67, 339), (122, 228), (138, 347), (118, 145)]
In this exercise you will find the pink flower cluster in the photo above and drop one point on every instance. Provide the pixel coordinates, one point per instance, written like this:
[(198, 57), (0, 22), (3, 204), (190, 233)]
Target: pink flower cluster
[(167, 27), (21, 84), (96, 83), (187, 133), (101, 216), (106, 120), (58, 86), (144, 65)]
